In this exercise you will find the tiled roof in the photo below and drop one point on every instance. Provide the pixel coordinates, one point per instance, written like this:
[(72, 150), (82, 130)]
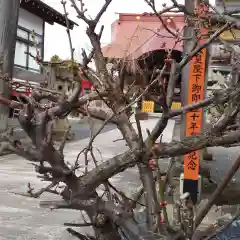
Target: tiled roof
[(134, 35)]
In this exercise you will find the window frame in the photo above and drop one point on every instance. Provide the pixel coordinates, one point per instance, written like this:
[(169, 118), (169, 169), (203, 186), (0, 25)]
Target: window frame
[(29, 43)]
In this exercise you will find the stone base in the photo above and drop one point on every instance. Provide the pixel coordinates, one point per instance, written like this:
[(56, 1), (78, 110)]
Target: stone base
[(58, 135), (60, 128)]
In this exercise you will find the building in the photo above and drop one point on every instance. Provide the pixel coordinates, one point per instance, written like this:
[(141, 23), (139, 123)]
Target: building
[(134, 35), (142, 41), (221, 60), (33, 15)]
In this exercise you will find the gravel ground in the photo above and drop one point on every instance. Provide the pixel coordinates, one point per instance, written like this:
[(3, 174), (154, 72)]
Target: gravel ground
[(23, 219)]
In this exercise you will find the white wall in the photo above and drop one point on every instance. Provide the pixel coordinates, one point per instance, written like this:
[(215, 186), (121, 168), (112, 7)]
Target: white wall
[(30, 21)]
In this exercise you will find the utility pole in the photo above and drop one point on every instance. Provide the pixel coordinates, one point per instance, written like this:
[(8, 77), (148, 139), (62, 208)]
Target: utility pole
[(9, 10), (192, 91)]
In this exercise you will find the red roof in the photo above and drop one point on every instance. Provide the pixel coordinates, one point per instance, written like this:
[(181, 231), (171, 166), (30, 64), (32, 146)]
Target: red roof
[(136, 34)]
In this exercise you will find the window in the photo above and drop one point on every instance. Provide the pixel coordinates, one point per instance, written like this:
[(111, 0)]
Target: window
[(25, 43), (32, 64), (22, 34), (20, 56)]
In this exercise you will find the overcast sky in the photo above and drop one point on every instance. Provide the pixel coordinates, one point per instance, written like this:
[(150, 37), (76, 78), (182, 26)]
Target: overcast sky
[(56, 40)]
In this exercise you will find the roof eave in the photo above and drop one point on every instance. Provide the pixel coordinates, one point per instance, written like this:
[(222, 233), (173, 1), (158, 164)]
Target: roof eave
[(47, 13)]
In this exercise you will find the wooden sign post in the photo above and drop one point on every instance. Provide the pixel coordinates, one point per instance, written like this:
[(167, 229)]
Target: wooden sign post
[(194, 120)]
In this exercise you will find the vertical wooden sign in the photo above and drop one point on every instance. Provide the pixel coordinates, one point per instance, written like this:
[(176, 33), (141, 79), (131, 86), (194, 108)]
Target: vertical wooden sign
[(194, 120)]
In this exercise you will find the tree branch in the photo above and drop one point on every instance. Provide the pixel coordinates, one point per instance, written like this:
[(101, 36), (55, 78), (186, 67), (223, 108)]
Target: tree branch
[(128, 159), (203, 212)]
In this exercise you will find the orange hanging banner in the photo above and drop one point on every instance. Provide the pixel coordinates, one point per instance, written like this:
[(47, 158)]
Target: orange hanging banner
[(194, 119)]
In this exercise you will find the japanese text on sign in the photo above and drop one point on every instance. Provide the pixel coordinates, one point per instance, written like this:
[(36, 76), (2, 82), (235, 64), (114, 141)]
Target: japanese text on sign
[(194, 118)]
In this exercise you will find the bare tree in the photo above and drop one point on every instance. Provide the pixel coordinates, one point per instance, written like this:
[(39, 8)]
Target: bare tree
[(112, 215)]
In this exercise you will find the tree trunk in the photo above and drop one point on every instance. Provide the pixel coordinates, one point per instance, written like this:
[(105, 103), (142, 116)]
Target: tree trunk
[(107, 232), (147, 179)]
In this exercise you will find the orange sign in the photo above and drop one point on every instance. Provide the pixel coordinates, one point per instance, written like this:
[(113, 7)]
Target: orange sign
[(194, 118)]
